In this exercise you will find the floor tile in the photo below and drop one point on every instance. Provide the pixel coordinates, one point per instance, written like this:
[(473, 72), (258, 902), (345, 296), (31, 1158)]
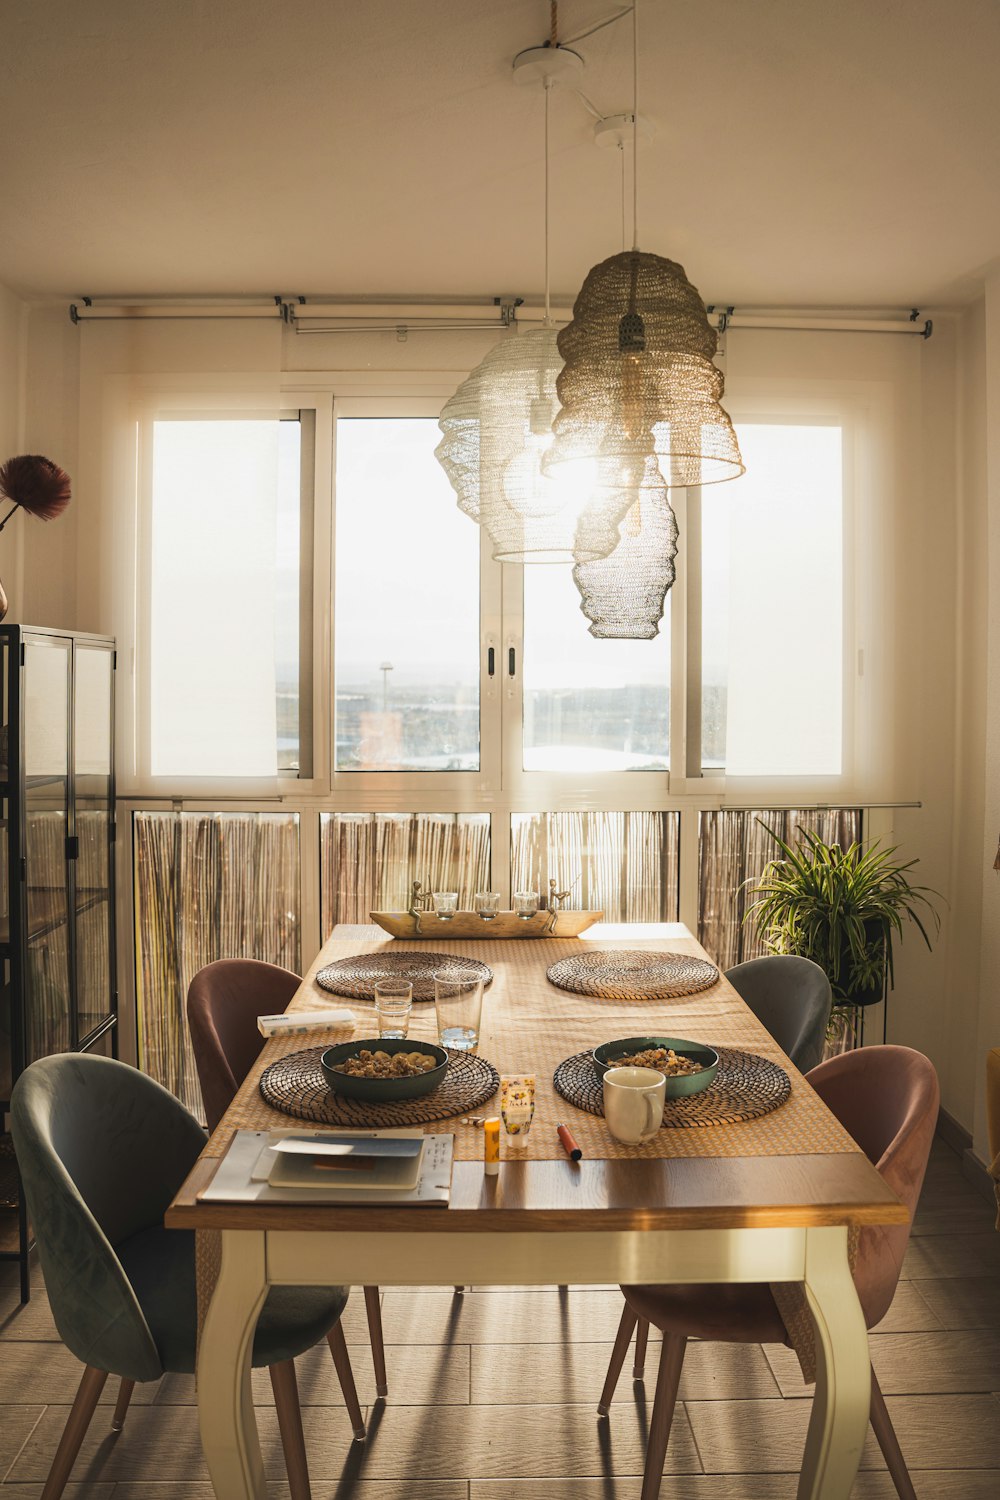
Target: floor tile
[(47, 1372), (969, 1302), (576, 1372), (952, 1255), (913, 1364), (15, 1429)]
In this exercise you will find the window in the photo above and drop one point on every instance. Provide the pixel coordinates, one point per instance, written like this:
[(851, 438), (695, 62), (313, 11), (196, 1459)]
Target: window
[(406, 668), (222, 612), (772, 584)]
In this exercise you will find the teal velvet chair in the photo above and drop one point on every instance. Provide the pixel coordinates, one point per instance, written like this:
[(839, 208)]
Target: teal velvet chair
[(102, 1150), (792, 997)]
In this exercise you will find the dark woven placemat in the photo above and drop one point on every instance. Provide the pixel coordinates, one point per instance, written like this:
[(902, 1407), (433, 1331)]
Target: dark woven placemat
[(632, 974), (745, 1087), (295, 1085), (358, 977)]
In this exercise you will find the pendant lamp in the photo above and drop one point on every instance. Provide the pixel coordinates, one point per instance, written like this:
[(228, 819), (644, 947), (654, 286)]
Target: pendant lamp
[(639, 354), (623, 595), (497, 427)]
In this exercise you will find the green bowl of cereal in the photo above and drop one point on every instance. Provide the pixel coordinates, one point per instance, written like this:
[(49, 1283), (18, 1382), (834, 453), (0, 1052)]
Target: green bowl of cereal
[(380, 1069), (688, 1067)]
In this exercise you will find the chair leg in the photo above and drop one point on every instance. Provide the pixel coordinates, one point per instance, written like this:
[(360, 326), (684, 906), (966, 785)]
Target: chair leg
[(342, 1365), (293, 1443), (889, 1443), (667, 1381), (121, 1405), (375, 1334), (87, 1397), (622, 1340), (641, 1339)]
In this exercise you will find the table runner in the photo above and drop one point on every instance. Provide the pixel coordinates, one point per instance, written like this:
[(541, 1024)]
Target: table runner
[(529, 1026)]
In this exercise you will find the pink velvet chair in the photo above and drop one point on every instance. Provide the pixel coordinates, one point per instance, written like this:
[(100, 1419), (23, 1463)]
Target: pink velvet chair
[(887, 1099), (224, 1001)]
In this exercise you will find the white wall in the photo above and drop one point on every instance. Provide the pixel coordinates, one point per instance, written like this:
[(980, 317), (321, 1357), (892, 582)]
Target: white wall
[(12, 330)]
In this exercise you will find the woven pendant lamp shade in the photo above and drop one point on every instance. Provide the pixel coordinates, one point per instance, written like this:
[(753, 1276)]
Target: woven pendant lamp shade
[(623, 595), (638, 358), (496, 429)]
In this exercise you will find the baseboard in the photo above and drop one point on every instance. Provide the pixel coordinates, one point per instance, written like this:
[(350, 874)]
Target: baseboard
[(953, 1134), (974, 1169)]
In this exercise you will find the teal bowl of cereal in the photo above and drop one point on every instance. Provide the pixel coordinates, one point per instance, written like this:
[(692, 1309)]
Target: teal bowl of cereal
[(688, 1067), (381, 1069)]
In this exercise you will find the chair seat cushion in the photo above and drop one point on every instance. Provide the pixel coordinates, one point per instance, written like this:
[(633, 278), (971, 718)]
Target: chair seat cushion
[(160, 1265), (729, 1313)]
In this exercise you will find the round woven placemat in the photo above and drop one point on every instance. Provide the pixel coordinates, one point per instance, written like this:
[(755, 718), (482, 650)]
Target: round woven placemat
[(745, 1087), (295, 1085), (358, 977), (631, 974)]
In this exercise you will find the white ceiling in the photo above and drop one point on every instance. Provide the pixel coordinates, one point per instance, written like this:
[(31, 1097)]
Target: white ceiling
[(807, 154)]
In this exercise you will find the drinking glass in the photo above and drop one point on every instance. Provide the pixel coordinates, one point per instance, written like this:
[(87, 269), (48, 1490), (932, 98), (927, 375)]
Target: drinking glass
[(487, 904), (526, 904), (458, 1003), (446, 904), (393, 1004)]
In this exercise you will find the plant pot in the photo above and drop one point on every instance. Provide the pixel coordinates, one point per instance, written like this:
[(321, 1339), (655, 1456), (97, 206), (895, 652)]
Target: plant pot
[(874, 993)]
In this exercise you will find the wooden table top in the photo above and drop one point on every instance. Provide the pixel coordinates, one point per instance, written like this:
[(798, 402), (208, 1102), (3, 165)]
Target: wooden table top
[(759, 1189)]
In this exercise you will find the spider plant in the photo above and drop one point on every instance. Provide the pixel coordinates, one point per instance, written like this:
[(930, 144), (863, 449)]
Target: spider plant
[(841, 908)]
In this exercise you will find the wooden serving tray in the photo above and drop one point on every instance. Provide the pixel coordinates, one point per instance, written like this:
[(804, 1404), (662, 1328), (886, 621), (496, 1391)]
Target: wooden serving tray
[(468, 925)]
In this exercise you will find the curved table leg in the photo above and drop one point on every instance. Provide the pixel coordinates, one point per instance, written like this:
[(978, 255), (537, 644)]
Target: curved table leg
[(839, 1420), (225, 1404)]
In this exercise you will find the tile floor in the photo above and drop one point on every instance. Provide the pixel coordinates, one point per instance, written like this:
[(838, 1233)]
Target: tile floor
[(456, 1427)]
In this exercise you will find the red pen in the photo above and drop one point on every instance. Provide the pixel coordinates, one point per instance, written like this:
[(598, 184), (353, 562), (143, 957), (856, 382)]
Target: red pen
[(569, 1144)]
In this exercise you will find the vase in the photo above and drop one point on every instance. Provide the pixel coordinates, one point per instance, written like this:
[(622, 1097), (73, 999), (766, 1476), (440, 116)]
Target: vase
[(4, 603)]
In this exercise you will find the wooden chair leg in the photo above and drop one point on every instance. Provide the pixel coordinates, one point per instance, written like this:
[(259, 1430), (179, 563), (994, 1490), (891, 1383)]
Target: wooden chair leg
[(641, 1339), (667, 1381), (286, 1404), (121, 1405), (622, 1340), (374, 1312), (342, 1365), (889, 1443), (87, 1397)]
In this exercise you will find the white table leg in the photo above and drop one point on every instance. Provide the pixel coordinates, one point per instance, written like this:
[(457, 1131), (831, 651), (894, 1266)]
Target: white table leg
[(839, 1420), (225, 1402)]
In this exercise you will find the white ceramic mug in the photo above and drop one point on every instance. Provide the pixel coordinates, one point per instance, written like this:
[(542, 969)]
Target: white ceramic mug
[(633, 1103)]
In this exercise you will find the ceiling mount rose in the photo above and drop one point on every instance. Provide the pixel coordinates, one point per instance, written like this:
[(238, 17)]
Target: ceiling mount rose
[(548, 66)]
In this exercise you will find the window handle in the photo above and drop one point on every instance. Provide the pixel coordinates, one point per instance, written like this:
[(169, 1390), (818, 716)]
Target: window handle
[(491, 662), (510, 661)]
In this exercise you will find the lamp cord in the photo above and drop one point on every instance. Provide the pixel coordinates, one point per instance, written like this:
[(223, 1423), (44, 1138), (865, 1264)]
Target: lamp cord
[(554, 23), (621, 163), (635, 124), (548, 90)]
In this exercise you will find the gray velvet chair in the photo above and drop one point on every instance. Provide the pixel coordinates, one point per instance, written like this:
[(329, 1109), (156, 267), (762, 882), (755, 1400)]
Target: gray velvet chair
[(102, 1150), (792, 997), (885, 1097)]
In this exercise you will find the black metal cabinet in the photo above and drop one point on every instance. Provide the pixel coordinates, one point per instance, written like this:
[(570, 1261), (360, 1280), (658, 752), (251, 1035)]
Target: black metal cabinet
[(57, 869)]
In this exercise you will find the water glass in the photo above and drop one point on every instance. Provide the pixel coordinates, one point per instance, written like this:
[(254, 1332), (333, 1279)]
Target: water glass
[(487, 904), (526, 904), (393, 1004), (446, 904), (458, 1003)]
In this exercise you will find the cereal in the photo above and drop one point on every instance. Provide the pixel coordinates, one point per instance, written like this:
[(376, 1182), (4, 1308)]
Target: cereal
[(664, 1059), (368, 1064)]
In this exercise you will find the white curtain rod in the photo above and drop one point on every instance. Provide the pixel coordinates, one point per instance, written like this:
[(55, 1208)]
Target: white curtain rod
[(430, 314)]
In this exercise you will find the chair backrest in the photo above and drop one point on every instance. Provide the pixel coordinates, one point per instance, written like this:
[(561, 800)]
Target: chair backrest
[(887, 1098), (102, 1149), (224, 1001), (791, 996)]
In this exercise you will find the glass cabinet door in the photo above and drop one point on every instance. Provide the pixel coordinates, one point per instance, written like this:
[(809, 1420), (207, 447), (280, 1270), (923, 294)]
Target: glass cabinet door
[(46, 696), (92, 763)]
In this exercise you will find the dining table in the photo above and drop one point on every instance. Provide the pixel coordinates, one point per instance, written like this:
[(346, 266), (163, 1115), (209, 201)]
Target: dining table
[(776, 1199)]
